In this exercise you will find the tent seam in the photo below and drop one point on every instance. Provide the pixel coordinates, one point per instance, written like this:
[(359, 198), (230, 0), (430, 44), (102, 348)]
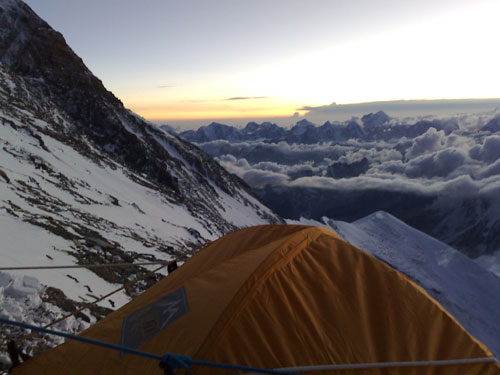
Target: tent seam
[(265, 275)]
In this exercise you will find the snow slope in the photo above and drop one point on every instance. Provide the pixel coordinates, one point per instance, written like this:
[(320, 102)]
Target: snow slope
[(20, 298), (65, 200), (83, 180), (469, 292), (55, 200)]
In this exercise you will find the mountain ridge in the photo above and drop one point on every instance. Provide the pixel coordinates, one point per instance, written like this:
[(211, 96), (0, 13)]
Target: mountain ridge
[(371, 127), (32, 49), (464, 288), (83, 180), (437, 175)]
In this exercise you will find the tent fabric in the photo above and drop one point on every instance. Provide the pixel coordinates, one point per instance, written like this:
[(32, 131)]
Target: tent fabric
[(278, 296)]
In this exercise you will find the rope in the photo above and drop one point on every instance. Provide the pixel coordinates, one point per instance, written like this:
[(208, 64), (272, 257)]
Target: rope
[(82, 266), (356, 366), (80, 338), (168, 359), (90, 304), (130, 283), (171, 361)]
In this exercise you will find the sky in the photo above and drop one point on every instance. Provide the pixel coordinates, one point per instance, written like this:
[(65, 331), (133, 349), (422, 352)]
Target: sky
[(181, 61)]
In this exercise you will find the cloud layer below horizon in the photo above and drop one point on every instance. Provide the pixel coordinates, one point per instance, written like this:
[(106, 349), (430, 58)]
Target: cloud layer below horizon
[(463, 163)]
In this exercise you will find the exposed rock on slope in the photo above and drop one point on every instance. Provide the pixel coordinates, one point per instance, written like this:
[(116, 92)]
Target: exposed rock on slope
[(84, 180), (33, 50)]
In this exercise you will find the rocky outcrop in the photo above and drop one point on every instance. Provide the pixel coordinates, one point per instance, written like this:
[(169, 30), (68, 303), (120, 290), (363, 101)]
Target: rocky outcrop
[(187, 175)]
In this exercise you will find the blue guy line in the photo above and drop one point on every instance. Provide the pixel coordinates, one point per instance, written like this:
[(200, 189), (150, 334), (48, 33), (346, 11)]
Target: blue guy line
[(172, 360)]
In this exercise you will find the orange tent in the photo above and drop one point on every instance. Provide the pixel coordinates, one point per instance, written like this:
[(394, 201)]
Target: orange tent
[(276, 296)]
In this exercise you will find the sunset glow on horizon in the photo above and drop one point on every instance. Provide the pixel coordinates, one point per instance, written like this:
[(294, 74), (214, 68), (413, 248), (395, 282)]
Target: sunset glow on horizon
[(171, 61)]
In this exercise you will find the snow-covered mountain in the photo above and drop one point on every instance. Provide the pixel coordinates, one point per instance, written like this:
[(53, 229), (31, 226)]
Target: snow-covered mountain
[(440, 176), (372, 127), (84, 180), (468, 291)]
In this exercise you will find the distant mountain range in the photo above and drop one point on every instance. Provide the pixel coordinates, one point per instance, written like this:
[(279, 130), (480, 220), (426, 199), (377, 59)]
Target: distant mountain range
[(401, 108), (85, 181), (437, 175), (374, 126)]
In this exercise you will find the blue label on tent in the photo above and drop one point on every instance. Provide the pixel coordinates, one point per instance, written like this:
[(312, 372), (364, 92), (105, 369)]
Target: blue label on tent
[(146, 322)]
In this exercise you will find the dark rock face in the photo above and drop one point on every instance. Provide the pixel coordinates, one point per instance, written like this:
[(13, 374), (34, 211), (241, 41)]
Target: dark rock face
[(31, 48), (348, 206), (266, 130), (40, 55), (100, 183), (416, 210), (374, 120)]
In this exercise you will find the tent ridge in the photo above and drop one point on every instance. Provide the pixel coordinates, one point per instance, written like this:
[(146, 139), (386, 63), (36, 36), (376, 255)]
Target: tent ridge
[(231, 312), (278, 296)]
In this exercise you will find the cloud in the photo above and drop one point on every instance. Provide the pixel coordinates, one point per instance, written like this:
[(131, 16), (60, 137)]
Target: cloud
[(430, 141), (402, 109), (281, 152), (259, 179), (227, 158), (291, 164), (256, 178), (392, 167), (267, 173), (448, 172), (373, 154), (364, 182), (491, 188), (490, 170), (464, 164), (458, 187), (489, 151), (271, 166), (234, 98), (247, 98), (439, 164), (164, 86)]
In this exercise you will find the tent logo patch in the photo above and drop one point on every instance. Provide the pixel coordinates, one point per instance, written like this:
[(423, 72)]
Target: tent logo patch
[(146, 322)]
